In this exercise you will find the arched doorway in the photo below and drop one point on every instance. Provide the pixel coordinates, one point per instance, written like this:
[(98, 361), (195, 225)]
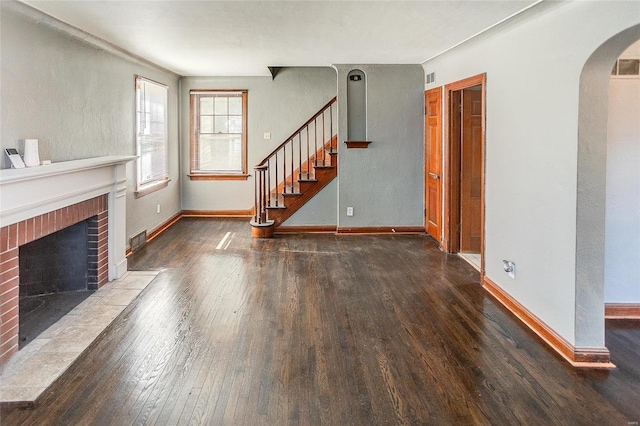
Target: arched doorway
[(591, 191)]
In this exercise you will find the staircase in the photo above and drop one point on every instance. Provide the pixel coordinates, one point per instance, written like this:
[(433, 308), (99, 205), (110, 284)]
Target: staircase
[(295, 171)]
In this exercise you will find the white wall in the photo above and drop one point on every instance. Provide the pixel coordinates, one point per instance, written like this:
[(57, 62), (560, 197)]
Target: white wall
[(383, 183), (278, 106), (622, 240), (79, 101), (533, 67)]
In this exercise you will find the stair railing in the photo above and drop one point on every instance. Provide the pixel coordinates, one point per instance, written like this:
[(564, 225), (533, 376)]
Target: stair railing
[(306, 148)]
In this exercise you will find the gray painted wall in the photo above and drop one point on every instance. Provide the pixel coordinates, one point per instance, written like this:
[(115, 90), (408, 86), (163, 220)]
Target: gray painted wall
[(320, 210), (279, 106), (79, 101), (384, 183), (534, 67)]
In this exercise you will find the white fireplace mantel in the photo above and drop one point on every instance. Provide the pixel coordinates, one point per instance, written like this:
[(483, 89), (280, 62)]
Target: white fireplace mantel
[(30, 192)]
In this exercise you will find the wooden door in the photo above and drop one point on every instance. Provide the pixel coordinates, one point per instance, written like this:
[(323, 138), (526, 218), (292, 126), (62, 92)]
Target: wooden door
[(471, 171), (433, 162)]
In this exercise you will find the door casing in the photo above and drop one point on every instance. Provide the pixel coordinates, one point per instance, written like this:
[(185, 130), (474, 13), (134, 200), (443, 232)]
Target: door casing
[(452, 147)]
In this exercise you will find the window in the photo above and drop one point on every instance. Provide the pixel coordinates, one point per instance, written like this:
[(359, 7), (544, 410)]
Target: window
[(151, 136), (218, 134)]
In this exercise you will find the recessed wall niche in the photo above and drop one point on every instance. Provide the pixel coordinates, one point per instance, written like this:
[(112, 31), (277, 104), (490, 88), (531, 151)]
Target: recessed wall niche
[(356, 106)]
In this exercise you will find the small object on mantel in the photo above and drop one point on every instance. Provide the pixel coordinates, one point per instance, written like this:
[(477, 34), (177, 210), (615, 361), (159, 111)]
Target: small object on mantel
[(46, 162), (357, 144)]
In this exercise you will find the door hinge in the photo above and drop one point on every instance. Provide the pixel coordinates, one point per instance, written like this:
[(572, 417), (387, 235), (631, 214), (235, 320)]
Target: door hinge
[(460, 107)]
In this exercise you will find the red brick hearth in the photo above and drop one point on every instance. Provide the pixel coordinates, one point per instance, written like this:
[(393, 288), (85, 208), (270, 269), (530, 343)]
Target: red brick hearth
[(26, 231)]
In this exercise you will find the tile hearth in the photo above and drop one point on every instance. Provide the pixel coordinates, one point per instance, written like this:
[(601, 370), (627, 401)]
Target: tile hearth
[(34, 368)]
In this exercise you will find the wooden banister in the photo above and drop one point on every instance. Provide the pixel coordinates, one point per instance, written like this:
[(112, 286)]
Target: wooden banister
[(309, 121)]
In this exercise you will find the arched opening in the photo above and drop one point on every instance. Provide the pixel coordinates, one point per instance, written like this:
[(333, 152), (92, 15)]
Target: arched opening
[(591, 190)]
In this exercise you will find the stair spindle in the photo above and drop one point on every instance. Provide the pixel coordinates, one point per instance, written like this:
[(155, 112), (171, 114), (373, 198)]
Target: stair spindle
[(268, 183), (324, 141), (299, 156), (331, 128), (315, 141), (308, 156), (284, 165), (276, 179), (256, 199), (292, 170)]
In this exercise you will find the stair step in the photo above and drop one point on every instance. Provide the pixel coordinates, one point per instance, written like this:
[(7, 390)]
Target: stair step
[(307, 180), (274, 207), (328, 166), (292, 194)]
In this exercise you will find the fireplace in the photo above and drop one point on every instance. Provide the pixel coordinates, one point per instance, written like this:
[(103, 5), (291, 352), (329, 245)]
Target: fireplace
[(59, 263), (38, 202)]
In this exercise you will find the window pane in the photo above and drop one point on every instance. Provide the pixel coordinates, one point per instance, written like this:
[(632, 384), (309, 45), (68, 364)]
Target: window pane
[(628, 66), (235, 124), (206, 106), (221, 153), (221, 106), (222, 124), (235, 106), (151, 131), (206, 124)]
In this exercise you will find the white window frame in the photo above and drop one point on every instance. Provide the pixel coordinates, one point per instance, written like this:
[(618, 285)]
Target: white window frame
[(160, 179)]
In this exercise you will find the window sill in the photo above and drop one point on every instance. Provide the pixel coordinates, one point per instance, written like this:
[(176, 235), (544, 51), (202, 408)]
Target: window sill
[(234, 176), (151, 187)]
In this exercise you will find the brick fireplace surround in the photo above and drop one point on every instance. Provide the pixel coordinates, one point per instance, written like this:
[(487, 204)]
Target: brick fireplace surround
[(39, 201), (26, 231)]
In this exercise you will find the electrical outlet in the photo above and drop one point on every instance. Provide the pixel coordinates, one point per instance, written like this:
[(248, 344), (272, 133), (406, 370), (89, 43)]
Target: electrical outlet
[(349, 211), (509, 268), (158, 209), (267, 136)]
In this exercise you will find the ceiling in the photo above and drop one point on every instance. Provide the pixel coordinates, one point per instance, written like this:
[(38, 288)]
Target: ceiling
[(216, 38)]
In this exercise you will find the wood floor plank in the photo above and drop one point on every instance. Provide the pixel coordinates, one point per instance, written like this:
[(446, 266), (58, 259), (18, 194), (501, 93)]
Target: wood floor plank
[(325, 330)]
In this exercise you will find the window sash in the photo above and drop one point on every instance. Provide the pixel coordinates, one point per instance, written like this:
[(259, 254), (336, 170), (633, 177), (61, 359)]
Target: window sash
[(218, 132), (151, 132)]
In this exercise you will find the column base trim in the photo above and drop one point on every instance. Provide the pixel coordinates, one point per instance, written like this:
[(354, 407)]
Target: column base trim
[(580, 357)]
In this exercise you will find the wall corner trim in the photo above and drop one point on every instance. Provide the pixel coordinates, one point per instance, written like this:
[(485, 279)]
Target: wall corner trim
[(581, 357)]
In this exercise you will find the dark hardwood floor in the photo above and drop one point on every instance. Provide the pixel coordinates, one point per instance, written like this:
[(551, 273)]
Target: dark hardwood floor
[(325, 329)]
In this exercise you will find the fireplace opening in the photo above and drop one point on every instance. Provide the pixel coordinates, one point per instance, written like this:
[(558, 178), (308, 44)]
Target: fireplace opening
[(55, 276)]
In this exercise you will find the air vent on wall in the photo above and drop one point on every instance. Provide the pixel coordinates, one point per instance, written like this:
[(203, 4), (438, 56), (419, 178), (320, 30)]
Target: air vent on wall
[(626, 68), (138, 241), (430, 78)]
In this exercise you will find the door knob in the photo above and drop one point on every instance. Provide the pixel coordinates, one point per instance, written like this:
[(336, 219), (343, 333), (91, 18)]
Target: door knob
[(433, 175)]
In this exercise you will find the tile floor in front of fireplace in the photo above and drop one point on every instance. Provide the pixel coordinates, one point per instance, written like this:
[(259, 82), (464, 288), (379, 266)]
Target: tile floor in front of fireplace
[(35, 367)]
